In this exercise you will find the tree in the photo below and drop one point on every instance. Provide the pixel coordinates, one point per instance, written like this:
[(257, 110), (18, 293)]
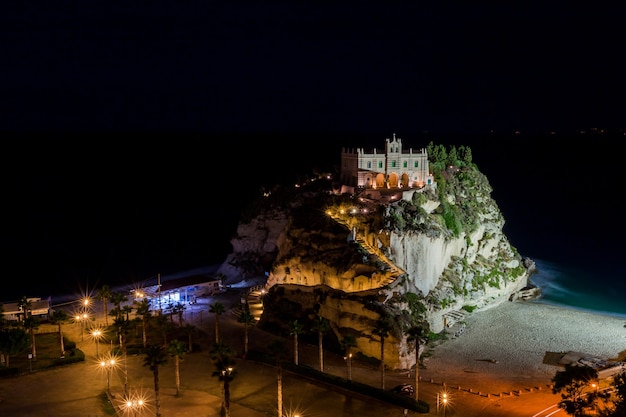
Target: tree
[(381, 329), (573, 384), (123, 328), (179, 309), (416, 334), (13, 340), (142, 308), (248, 320), (24, 305), (347, 343), (278, 352), (222, 357), (295, 329), (126, 310), (190, 330), (32, 323), (321, 326), (177, 350), (155, 357), (104, 294), (218, 309), (164, 325), (59, 317), (117, 298)]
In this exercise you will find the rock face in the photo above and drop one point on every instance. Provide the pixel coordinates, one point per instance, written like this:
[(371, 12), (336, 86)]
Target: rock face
[(373, 267)]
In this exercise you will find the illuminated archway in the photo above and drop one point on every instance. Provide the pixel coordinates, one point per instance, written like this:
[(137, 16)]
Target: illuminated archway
[(393, 180), (380, 181)]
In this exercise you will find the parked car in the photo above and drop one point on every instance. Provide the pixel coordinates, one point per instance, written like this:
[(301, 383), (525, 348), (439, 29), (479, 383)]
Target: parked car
[(403, 389)]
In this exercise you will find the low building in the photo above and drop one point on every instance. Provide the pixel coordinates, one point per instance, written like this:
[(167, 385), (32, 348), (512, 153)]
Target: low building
[(38, 308), (180, 290)]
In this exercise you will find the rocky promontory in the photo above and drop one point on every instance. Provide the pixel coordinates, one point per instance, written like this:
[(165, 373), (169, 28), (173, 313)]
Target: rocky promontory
[(379, 265)]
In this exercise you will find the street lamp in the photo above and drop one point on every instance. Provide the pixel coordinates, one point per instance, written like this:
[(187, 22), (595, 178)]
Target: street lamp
[(82, 318), (134, 404), (594, 385), (348, 359), (226, 377), (96, 334), (443, 400), (107, 365)]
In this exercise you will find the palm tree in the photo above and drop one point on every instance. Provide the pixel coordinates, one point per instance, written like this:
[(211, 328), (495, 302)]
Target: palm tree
[(321, 326), (104, 294), (24, 305), (32, 323), (177, 350), (126, 310), (117, 298), (219, 309), (416, 334), (278, 352), (155, 357), (179, 309), (347, 343), (163, 324), (189, 330), (123, 328), (248, 320), (295, 328), (381, 329), (59, 317), (142, 308), (223, 358)]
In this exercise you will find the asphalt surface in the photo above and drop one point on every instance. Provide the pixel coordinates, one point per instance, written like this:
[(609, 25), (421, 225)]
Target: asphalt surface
[(76, 390)]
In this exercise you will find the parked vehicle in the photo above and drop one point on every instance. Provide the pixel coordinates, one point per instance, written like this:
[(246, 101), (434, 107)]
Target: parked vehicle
[(403, 389)]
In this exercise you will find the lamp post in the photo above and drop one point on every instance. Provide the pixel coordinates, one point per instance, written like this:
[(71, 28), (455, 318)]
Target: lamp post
[(594, 385), (134, 405), (348, 359), (81, 318), (108, 364), (444, 401), (96, 334), (226, 375)]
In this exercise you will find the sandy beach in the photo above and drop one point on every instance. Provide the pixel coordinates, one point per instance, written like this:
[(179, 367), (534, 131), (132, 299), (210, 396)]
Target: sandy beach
[(505, 346)]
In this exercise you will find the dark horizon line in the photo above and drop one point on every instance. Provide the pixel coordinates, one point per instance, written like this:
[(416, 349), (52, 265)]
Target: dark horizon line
[(196, 132)]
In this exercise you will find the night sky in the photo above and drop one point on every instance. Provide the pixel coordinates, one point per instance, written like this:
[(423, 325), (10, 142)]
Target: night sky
[(124, 125)]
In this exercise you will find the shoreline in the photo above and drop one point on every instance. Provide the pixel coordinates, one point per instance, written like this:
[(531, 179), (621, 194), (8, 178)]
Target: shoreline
[(506, 345)]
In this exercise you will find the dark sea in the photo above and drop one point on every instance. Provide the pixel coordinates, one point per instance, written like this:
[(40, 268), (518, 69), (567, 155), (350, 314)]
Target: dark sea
[(595, 290)]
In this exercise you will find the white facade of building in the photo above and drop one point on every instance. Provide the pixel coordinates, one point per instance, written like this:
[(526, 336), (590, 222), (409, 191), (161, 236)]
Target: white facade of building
[(391, 168)]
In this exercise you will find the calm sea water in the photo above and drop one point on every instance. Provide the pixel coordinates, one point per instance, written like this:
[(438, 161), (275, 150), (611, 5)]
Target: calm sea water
[(594, 289)]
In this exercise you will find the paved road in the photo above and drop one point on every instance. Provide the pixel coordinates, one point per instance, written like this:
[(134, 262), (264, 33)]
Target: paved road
[(75, 390)]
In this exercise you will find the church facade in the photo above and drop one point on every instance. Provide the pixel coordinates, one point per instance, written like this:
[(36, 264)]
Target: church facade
[(391, 168)]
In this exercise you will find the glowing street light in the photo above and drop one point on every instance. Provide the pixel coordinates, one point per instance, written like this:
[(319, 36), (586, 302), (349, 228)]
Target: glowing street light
[(134, 404), (82, 318), (348, 360), (96, 334), (108, 364), (443, 399)]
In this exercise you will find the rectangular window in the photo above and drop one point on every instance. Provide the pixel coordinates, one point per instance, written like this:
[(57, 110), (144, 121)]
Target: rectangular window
[(369, 164), (404, 164), (415, 164), (380, 164), (393, 164)]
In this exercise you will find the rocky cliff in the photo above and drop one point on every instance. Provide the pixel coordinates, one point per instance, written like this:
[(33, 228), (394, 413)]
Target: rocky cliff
[(413, 258)]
